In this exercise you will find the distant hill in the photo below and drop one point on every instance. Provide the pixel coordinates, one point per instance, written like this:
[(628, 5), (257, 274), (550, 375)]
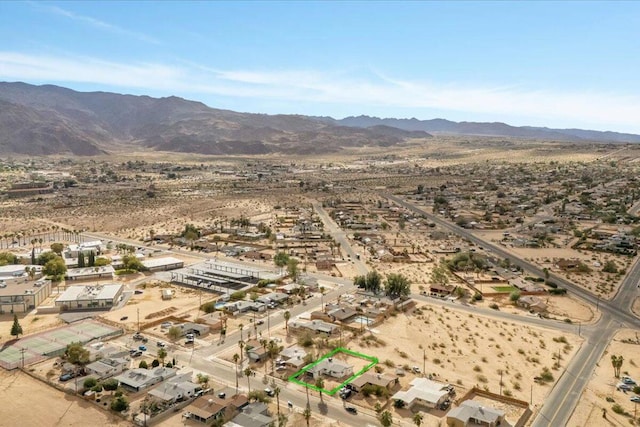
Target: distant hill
[(42, 120), (487, 129), (47, 120)]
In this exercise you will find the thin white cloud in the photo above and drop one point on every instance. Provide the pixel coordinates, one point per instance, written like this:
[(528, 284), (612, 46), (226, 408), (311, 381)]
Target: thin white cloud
[(96, 23), (593, 110)]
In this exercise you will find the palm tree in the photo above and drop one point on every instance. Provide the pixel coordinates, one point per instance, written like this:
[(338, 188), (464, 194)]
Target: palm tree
[(276, 391), (307, 414), (320, 386), (287, 316), (417, 419), (386, 419), (241, 345), (240, 326), (162, 353), (322, 290), (248, 372), (236, 357), (263, 342)]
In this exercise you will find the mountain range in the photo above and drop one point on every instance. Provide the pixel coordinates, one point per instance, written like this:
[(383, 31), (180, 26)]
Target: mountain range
[(50, 120)]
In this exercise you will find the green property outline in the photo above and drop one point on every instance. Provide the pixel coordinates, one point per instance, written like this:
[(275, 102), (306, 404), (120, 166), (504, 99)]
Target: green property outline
[(294, 378)]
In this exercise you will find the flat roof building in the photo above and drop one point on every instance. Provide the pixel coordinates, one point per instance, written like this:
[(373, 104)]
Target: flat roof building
[(89, 297), (25, 296), (90, 273), (163, 264)]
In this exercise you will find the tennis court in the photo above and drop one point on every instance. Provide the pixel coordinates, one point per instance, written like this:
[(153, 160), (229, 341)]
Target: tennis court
[(35, 348)]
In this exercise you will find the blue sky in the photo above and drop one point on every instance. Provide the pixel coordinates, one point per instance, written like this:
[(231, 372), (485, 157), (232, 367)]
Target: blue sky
[(556, 64)]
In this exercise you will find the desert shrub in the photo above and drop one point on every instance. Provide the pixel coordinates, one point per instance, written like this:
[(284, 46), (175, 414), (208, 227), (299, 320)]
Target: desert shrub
[(494, 306), (119, 404), (558, 291), (617, 409)]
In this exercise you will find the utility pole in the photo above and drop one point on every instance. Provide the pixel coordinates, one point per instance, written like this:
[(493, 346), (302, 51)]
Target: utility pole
[(500, 382), (138, 310), (424, 362)]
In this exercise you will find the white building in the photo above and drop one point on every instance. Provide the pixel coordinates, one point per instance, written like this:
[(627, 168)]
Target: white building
[(87, 297), (424, 392)]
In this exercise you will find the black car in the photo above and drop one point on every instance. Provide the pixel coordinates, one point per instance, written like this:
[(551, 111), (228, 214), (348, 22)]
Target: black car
[(351, 410), (269, 392), (222, 395)]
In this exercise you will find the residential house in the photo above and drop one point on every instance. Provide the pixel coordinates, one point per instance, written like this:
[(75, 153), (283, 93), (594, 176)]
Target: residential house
[(532, 303), (472, 413), (255, 414), (315, 326), (105, 368), (381, 380), (330, 367), (342, 314), (206, 409), (423, 392), (140, 379), (255, 351), (178, 388)]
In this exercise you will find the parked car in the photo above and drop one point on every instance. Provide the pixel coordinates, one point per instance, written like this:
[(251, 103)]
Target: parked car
[(138, 336), (189, 336), (289, 404), (635, 399), (67, 376), (166, 325), (351, 410), (623, 386), (136, 353), (161, 344), (260, 322), (222, 395), (416, 370), (142, 348), (124, 318), (269, 392), (628, 380)]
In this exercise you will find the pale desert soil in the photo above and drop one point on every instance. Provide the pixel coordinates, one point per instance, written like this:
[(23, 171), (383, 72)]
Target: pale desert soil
[(33, 403), (544, 257), (603, 385)]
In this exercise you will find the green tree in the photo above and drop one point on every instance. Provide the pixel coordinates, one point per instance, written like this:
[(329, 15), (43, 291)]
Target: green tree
[(7, 258), (204, 380), (143, 364), (174, 333), (281, 259), (162, 354), (75, 353), (81, 261), (293, 270), (417, 419), (514, 296), (131, 262), (610, 267), (360, 281), (276, 392), (57, 248), (91, 261), (286, 316), (45, 257), (110, 385), (55, 268), (397, 286), (16, 329), (373, 282), (89, 383), (386, 419), (119, 404), (439, 276)]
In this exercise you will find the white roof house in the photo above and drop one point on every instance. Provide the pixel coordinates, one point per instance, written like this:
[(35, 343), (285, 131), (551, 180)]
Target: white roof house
[(331, 367), (423, 392), (105, 368), (178, 387), (140, 379), (471, 411)]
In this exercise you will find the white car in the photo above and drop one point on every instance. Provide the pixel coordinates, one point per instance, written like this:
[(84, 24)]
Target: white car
[(623, 386)]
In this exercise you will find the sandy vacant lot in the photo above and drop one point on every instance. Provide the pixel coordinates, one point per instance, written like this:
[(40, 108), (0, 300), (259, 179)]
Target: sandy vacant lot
[(55, 408), (601, 393)]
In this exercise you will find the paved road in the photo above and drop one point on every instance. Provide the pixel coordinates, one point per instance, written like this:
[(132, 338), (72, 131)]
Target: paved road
[(341, 237), (616, 313)]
